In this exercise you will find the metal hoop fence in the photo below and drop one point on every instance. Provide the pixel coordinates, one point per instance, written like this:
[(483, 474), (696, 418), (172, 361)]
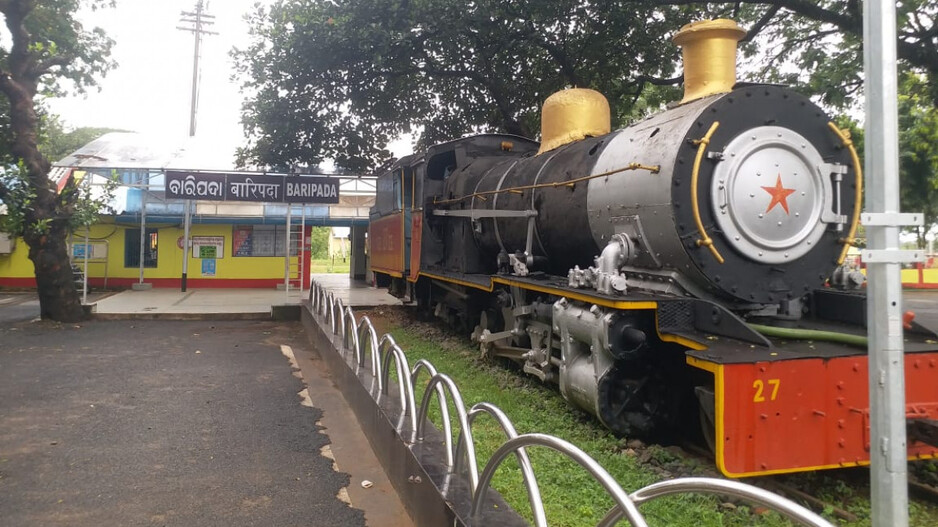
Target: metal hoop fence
[(351, 336)]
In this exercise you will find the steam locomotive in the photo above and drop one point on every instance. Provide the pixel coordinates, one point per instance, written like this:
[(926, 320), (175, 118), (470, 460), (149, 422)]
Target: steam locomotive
[(683, 269)]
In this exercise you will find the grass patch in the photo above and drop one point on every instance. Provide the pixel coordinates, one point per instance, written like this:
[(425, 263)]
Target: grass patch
[(571, 497), (329, 265)]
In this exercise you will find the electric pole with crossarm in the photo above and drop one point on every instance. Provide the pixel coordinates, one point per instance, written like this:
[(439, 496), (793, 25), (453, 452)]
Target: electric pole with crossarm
[(195, 22)]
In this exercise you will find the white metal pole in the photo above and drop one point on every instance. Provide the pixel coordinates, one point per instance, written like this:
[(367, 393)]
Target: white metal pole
[(185, 246), (303, 271), (143, 223), (889, 501), (286, 256), (84, 284)]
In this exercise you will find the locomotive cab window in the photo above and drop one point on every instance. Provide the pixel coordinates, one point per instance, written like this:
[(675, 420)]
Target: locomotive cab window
[(408, 188), (419, 172), (441, 165), (396, 187), (384, 198)]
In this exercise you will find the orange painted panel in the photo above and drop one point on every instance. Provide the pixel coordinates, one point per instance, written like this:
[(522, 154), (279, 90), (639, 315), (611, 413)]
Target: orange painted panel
[(803, 414), (387, 243)]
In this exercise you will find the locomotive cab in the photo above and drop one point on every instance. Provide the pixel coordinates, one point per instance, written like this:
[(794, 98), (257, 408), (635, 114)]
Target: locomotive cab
[(390, 221)]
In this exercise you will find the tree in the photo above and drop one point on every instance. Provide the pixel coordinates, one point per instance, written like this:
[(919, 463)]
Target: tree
[(56, 141), (319, 242), (816, 44), (918, 153), (49, 52), (338, 79)]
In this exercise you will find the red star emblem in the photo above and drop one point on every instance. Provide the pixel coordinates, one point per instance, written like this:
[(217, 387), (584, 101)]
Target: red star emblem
[(779, 195)]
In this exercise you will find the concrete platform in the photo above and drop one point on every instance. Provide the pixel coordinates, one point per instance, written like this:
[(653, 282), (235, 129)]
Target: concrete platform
[(355, 293), (231, 303), (164, 303)]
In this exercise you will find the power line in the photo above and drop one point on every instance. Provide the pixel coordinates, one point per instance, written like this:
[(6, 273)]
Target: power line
[(195, 23)]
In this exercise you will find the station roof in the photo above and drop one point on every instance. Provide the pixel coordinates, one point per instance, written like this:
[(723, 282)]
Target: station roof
[(133, 151)]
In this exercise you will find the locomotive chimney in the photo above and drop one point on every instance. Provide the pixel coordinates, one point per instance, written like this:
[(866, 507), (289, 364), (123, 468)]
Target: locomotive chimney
[(572, 115), (709, 49)]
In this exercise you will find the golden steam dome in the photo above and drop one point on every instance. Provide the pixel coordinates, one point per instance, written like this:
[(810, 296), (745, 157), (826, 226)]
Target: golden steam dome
[(709, 49), (572, 115)]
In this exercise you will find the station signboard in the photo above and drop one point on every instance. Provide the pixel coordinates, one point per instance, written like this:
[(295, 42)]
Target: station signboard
[(251, 187)]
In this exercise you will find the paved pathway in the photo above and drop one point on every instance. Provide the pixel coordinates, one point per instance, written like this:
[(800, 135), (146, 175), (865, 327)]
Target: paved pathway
[(18, 307), (161, 423)]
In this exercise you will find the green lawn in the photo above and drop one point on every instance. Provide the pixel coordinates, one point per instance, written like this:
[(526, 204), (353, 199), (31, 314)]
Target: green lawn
[(329, 265), (570, 495)]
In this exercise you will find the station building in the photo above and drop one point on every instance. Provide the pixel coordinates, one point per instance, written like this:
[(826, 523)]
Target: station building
[(232, 243)]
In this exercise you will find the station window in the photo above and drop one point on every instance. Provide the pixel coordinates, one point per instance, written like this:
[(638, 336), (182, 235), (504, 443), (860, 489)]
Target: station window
[(259, 240), (132, 248)]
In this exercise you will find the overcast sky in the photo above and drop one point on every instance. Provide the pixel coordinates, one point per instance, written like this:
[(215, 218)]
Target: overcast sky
[(150, 90)]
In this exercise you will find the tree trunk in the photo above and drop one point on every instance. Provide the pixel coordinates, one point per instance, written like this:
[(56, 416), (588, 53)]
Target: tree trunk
[(58, 297), (47, 217)]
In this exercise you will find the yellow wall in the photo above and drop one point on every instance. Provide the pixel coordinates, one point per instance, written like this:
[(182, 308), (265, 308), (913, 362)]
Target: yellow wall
[(169, 257), (17, 264)]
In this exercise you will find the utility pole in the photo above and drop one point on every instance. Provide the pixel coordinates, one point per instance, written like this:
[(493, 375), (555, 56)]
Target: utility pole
[(195, 23)]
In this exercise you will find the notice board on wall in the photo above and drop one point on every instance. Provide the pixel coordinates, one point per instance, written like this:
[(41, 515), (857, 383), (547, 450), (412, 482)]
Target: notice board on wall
[(242, 243), (208, 246)]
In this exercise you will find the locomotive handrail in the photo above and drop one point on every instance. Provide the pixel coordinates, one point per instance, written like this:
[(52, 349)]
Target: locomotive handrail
[(444, 408), (623, 502), (706, 241), (654, 169), (723, 487), (466, 433), (527, 471), (626, 504), (858, 193)]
